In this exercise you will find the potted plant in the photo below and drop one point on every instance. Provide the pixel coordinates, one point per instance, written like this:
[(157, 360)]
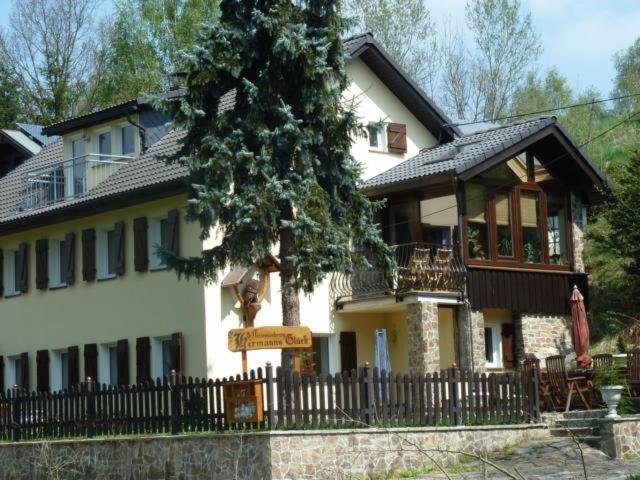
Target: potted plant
[(608, 380)]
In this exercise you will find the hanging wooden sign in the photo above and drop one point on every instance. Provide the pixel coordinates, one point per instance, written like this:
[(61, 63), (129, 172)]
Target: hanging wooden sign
[(259, 338)]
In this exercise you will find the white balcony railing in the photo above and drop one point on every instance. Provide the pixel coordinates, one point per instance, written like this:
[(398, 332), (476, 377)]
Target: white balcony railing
[(68, 179)]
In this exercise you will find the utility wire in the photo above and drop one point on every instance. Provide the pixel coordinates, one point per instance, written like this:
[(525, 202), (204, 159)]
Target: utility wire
[(521, 177), (548, 110)]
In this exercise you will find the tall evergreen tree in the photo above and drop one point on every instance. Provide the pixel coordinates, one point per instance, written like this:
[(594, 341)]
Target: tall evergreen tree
[(275, 170)]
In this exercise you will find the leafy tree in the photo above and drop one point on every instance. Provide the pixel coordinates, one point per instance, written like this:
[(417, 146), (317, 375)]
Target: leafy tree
[(627, 79), (275, 170), (10, 106), (405, 29), (50, 47)]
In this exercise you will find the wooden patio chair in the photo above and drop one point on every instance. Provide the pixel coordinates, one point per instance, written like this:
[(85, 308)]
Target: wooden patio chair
[(563, 386), (532, 364), (443, 267), (420, 265), (633, 369)]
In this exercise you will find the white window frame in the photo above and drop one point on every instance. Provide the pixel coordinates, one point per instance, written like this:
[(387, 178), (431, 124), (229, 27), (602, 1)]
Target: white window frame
[(56, 270), (118, 140), (157, 359), (9, 273), (496, 335), (381, 135), (104, 362), (102, 253), (10, 371), (154, 238), (96, 144), (55, 368)]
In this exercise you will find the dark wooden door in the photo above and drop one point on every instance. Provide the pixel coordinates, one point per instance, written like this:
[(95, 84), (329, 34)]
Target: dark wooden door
[(508, 345), (348, 356)]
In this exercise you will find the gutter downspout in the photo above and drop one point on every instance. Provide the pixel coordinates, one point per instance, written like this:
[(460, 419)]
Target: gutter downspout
[(143, 133), (459, 191)]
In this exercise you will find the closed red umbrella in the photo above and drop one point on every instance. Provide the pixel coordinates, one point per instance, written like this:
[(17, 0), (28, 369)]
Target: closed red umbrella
[(580, 329)]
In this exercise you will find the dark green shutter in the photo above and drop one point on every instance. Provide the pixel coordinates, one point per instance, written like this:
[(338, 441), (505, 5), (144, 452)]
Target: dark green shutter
[(91, 361), (70, 253), (74, 366), (2, 387), (143, 359), (42, 264), (1, 273), (120, 248), (24, 362), (176, 352), (42, 370), (140, 244), (23, 268), (89, 255), (123, 362), (173, 232)]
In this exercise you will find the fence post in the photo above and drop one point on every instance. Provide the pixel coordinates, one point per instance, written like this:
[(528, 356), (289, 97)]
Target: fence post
[(91, 408), (455, 398), (366, 393), (176, 407), (271, 414), (534, 402), (17, 427)]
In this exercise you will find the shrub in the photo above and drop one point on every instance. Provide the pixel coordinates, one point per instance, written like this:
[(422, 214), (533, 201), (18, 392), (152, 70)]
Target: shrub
[(608, 375)]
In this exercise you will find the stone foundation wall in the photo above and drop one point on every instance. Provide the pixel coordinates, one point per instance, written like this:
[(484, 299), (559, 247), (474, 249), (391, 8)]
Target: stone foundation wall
[(544, 335), (332, 454), (471, 330), (422, 337), (620, 438)]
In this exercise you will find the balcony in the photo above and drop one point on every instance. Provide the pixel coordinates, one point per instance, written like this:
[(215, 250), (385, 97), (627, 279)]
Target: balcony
[(420, 268), (68, 179)]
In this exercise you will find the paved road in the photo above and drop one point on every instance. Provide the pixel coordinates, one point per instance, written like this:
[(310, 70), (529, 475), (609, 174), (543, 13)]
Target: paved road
[(556, 458)]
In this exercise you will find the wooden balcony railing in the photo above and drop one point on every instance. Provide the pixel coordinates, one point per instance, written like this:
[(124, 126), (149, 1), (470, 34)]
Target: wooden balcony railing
[(420, 267)]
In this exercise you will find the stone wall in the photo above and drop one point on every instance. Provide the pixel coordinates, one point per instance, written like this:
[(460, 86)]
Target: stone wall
[(543, 335), (620, 438), (328, 454), (471, 328), (578, 232), (422, 337)]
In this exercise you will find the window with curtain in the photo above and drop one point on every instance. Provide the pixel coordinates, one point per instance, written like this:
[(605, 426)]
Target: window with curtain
[(503, 222), (557, 230), (477, 237), (531, 228)]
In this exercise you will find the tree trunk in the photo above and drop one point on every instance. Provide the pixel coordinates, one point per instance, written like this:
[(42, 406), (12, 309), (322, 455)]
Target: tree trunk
[(289, 295)]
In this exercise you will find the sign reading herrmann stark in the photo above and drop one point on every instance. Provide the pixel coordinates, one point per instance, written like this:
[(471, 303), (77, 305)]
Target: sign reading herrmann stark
[(258, 338)]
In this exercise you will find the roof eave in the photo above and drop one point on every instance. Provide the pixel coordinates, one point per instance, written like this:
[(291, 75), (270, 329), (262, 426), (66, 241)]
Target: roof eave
[(91, 118), (400, 186)]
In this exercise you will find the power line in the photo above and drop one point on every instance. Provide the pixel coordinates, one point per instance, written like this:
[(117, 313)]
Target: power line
[(548, 110), (521, 177)]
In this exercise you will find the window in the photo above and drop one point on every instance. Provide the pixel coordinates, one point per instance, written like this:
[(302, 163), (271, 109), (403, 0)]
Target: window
[(377, 137), (78, 168), (107, 253), (64, 370), (57, 263), (104, 145), (17, 369), (557, 230), (493, 346), (503, 222), (55, 190), (320, 354), (161, 365), (476, 221), (11, 274), (77, 148), (113, 366), (158, 236), (166, 358), (127, 146), (531, 228)]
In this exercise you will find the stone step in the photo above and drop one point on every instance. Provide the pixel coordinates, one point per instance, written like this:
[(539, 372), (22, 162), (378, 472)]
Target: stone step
[(592, 441), (578, 432), (575, 414), (575, 423)]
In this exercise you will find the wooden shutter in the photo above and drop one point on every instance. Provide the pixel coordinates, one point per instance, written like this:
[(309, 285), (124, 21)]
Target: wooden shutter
[(173, 232), (177, 353), (42, 264), (89, 255), (1, 273), (23, 267), (42, 370), (348, 356), (123, 362), (91, 361), (120, 248), (508, 350), (24, 362), (397, 137), (70, 254), (2, 387), (143, 359), (140, 244), (74, 365)]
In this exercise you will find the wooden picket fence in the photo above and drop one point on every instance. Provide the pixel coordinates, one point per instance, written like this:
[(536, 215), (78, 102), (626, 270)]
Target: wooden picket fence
[(356, 399)]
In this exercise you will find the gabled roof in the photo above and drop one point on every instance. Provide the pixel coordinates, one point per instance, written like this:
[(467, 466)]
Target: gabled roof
[(35, 133), (470, 154), (366, 48), (21, 141)]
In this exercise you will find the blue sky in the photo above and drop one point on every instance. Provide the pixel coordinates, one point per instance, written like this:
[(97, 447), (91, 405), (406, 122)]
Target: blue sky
[(580, 37)]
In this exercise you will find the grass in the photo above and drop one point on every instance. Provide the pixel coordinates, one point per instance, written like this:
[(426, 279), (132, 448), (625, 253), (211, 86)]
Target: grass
[(635, 476)]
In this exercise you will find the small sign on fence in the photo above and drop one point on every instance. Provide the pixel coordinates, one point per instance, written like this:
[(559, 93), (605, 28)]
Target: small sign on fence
[(259, 338), (244, 401)]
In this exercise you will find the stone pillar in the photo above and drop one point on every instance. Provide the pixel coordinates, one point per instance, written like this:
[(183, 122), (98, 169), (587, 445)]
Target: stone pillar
[(471, 338), (422, 337), (578, 218), (544, 335)]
